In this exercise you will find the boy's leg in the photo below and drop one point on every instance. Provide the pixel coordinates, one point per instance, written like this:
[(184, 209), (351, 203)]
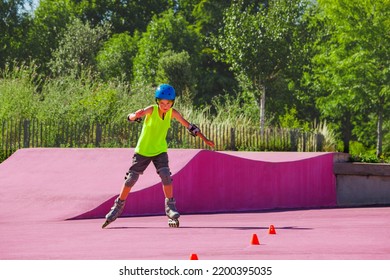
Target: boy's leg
[(168, 191), (161, 163), (139, 165), (162, 167)]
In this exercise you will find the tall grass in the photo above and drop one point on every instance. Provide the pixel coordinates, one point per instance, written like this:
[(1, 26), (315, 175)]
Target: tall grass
[(329, 137)]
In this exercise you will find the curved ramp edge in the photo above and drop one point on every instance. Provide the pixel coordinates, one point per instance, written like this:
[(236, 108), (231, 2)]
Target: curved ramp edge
[(223, 182)]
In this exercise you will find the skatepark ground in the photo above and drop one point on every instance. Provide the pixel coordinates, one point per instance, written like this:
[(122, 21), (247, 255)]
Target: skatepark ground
[(316, 234), (53, 201)]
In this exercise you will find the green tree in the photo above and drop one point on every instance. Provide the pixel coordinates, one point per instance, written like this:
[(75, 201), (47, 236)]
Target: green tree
[(115, 59), (352, 66), (176, 69), (169, 31), (51, 19), (78, 48), (15, 21), (49, 22), (122, 15), (293, 91), (215, 77), (208, 15), (256, 42)]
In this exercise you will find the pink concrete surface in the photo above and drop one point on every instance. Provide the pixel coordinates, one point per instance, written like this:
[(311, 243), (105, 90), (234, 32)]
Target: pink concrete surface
[(310, 234), (42, 191)]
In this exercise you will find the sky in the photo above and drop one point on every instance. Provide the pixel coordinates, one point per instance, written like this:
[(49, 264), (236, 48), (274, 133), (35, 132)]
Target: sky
[(34, 5)]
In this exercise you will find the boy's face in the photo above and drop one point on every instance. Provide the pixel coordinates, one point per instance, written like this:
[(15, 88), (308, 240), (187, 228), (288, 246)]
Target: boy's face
[(165, 105)]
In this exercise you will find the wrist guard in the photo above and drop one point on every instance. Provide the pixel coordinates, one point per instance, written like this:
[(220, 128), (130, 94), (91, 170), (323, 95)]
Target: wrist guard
[(193, 129), (138, 120)]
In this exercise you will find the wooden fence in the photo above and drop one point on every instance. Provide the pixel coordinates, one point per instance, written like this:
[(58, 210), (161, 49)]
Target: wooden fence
[(16, 134)]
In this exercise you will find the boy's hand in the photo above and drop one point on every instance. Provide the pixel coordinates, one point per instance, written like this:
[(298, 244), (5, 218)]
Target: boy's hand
[(206, 140), (139, 113), (209, 142), (136, 116)]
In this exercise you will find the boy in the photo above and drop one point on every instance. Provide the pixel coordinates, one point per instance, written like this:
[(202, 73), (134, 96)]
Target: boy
[(152, 147)]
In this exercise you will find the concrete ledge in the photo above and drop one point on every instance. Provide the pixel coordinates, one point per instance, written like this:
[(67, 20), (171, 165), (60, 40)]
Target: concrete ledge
[(362, 184), (362, 169), (341, 157)]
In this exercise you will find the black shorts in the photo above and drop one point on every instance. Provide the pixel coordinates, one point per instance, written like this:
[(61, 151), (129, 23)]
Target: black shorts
[(140, 163)]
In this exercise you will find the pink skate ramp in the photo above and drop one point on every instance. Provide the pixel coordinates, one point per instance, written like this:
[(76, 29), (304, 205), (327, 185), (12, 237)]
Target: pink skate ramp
[(59, 184)]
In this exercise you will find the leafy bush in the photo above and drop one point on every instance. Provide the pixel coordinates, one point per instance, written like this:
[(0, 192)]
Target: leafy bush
[(359, 153), (115, 59)]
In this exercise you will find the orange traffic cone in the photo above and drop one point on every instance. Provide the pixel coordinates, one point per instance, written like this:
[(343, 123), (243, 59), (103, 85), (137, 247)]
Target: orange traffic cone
[(194, 257), (271, 230), (255, 240)]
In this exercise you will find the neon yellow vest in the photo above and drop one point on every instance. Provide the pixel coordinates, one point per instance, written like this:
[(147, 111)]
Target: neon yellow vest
[(154, 133)]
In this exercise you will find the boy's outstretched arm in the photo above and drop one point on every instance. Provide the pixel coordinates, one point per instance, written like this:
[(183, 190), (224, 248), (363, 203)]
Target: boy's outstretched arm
[(185, 123), (139, 113)]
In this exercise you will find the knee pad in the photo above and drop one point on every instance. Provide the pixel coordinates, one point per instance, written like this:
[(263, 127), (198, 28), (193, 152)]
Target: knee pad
[(131, 178), (165, 175)]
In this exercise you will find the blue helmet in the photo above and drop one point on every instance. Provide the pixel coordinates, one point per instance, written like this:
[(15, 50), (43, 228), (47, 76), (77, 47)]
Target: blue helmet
[(166, 92)]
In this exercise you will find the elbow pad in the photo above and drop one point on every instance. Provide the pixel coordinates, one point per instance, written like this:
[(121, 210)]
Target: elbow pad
[(193, 129)]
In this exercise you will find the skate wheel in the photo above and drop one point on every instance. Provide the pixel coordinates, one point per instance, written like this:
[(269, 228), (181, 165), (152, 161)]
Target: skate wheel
[(173, 223)]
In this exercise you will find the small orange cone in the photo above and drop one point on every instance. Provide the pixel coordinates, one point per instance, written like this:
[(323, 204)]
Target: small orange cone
[(271, 230), (194, 257), (255, 240)]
